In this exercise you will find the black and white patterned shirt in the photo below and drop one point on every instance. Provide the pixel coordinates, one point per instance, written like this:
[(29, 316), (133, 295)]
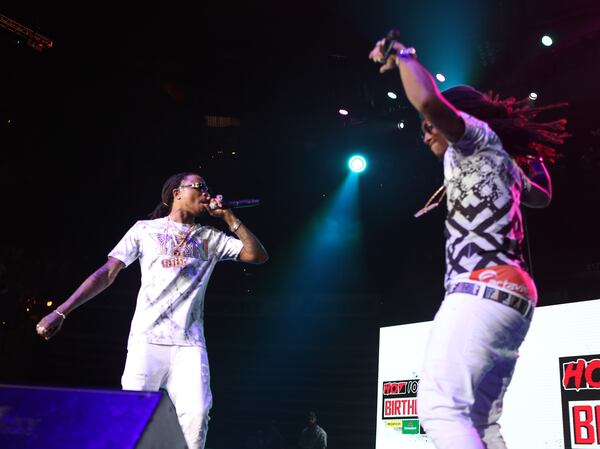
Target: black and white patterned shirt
[(483, 186)]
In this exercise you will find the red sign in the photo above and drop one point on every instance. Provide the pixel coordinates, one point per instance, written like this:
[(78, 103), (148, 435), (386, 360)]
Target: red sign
[(399, 408), (585, 424), (581, 374)]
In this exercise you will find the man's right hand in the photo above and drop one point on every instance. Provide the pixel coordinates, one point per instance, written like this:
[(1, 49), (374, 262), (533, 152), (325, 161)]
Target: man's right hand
[(94, 284), (378, 52), (49, 325)]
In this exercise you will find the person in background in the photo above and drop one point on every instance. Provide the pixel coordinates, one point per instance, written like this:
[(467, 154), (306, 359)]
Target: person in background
[(313, 436)]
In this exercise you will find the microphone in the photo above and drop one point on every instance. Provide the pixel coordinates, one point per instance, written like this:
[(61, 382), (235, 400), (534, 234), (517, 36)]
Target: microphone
[(235, 204), (392, 36)]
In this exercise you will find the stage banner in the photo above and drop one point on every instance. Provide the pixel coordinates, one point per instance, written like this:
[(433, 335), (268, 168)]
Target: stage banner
[(554, 398)]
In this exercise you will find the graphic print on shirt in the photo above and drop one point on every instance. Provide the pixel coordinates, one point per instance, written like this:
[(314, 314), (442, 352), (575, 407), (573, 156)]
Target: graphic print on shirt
[(483, 225), (194, 247), (191, 255)]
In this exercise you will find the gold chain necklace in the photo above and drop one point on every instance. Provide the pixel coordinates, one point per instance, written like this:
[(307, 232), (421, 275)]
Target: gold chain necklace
[(182, 244), (439, 193)]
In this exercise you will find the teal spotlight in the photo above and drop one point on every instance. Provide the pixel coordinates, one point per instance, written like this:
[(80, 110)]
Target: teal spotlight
[(357, 164)]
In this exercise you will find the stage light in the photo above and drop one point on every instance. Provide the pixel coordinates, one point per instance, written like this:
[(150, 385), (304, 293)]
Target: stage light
[(49, 303), (357, 164), (343, 112), (392, 95), (401, 124), (441, 78), (533, 96), (547, 40)]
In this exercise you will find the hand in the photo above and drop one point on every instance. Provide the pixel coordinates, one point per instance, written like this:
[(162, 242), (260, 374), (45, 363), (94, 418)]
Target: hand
[(215, 207), (49, 325), (376, 55)]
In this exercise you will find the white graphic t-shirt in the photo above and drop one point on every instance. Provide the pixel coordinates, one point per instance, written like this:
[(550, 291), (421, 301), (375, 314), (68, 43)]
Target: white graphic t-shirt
[(176, 264), (484, 186)]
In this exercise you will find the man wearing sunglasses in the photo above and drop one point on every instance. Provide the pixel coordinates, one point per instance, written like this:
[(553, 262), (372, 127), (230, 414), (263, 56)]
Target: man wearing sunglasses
[(166, 347), (490, 296)]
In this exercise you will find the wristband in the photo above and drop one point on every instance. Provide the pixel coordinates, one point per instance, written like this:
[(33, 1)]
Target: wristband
[(60, 314), (409, 52), (235, 226)]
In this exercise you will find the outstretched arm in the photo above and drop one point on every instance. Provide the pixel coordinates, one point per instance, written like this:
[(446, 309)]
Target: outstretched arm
[(421, 90), (92, 286)]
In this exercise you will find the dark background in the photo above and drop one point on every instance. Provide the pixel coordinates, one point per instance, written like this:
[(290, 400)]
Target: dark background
[(91, 128)]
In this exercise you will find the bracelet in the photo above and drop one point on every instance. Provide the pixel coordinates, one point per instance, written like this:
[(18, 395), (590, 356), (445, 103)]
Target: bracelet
[(409, 52), (62, 315), (235, 226)]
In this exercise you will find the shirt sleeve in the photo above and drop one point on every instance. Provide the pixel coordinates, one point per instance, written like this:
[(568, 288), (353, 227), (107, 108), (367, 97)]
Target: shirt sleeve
[(128, 249), (224, 246), (478, 136), (322, 439)]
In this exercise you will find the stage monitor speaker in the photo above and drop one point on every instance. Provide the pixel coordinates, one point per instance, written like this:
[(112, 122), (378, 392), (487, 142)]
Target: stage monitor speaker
[(64, 418)]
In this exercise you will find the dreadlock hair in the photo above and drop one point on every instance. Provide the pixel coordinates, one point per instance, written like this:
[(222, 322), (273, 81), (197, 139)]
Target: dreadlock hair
[(513, 121), (164, 207)]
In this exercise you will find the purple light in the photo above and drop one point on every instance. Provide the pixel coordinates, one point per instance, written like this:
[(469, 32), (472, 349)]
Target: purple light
[(343, 112)]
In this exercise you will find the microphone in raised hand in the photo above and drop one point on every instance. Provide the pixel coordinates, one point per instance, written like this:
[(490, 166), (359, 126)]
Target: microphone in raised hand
[(391, 38)]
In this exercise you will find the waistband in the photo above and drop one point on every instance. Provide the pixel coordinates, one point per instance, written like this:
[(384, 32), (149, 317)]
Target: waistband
[(521, 305)]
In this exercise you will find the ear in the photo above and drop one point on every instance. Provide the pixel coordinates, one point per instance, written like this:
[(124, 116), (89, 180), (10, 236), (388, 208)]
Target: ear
[(176, 193)]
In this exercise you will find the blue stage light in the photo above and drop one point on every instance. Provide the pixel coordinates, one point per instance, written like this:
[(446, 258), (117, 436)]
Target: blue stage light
[(357, 164)]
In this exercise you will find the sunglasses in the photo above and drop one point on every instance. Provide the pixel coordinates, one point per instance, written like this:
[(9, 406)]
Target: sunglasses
[(200, 186)]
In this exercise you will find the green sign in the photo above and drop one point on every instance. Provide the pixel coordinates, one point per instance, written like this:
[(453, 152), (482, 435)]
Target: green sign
[(410, 426)]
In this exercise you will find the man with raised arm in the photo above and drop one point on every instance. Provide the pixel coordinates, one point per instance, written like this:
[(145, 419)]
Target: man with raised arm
[(490, 296)]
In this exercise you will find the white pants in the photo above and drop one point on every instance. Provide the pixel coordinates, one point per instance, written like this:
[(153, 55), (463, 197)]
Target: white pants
[(183, 372), (469, 362)]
